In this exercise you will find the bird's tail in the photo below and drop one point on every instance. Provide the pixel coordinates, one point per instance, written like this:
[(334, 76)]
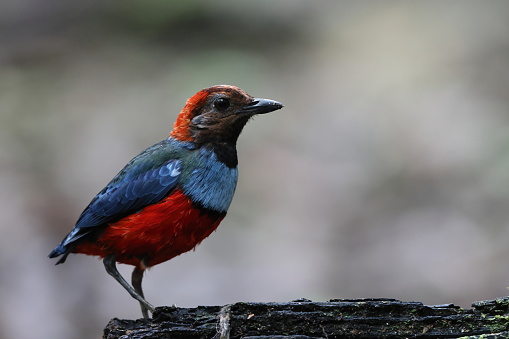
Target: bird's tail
[(58, 251), (68, 245)]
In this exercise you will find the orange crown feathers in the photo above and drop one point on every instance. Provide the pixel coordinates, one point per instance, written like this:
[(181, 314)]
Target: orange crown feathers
[(181, 130)]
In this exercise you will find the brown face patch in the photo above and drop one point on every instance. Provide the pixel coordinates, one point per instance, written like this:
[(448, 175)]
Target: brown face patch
[(212, 110)]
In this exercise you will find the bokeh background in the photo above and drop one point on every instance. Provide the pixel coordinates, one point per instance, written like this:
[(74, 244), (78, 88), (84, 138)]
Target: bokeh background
[(385, 175)]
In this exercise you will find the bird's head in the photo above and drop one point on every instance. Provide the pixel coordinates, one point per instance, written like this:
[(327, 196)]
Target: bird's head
[(217, 115)]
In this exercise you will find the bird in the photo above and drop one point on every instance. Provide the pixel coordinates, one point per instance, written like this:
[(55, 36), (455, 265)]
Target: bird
[(172, 195)]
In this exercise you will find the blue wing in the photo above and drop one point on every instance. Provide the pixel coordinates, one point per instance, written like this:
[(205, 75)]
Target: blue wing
[(145, 180), (126, 196)]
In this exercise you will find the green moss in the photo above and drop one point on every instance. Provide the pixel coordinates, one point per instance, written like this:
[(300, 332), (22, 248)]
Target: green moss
[(497, 323)]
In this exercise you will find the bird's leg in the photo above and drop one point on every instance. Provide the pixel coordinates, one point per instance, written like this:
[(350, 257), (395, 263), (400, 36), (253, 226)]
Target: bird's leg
[(136, 279), (111, 267)]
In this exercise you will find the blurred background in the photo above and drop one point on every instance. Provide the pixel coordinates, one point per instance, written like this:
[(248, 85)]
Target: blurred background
[(385, 175)]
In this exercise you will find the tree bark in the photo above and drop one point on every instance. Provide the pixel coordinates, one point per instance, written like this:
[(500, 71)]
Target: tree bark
[(304, 319)]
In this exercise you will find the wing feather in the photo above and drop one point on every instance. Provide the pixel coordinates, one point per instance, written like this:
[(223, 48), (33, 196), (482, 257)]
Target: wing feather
[(145, 180)]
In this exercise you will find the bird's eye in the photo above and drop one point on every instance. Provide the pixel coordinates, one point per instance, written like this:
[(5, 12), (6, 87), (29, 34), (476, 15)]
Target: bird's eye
[(221, 104)]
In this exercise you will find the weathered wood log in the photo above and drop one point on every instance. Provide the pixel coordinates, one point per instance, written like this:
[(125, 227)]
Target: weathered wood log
[(304, 319)]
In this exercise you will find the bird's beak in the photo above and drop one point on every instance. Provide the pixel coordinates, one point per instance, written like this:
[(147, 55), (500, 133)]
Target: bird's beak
[(261, 106)]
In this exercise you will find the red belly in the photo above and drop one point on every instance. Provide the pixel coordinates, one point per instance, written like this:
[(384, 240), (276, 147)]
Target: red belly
[(157, 233)]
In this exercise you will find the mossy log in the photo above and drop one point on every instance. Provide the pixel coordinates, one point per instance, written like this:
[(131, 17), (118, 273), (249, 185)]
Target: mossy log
[(304, 319)]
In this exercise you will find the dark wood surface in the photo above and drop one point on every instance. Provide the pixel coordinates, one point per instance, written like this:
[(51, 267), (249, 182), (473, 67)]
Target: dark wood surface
[(337, 318)]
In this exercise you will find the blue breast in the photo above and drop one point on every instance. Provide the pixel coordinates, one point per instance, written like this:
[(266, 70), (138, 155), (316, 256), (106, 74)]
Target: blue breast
[(211, 183)]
